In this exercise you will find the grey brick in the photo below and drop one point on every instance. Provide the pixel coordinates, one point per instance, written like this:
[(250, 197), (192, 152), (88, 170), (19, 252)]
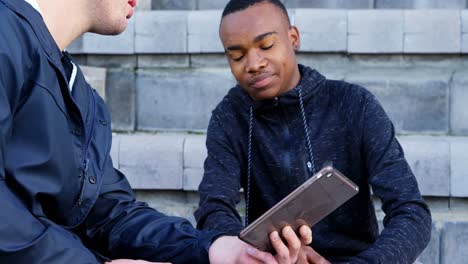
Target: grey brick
[(143, 5), (192, 178), (120, 91), (327, 64), (330, 36), (432, 31), (208, 61), (340, 4), (431, 254), (459, 167), (210, 4), (458, 106), (96, 77), (429, 157), (420, 4), (375, 31), (115, 150), (458, 204), (203, 31), (161, 32), (194, 151), (112, 61), (174, 5), (152, 161), (464, 18), (164, 61), (179, 99), (91, 43), (415, 100), (454, 241), (194, 156)]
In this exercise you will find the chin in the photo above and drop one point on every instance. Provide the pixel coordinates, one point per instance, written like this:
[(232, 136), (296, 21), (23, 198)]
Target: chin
[(111, 29), (264, 95)]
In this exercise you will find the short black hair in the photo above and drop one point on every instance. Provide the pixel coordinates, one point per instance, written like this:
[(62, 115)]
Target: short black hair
[(239, 5)]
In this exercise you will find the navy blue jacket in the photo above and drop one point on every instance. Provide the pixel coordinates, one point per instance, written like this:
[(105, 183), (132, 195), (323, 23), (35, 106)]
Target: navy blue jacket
[(348, 127), (61, 199)]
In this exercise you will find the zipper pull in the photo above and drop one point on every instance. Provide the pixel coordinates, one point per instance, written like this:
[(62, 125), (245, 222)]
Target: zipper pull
[(85, 164), (84, 174)]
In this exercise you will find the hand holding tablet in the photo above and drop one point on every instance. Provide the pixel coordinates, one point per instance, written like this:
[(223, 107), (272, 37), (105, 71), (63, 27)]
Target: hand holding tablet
[(307, 205)]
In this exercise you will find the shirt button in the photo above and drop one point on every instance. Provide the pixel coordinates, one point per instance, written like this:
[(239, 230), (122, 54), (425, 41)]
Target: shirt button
[(92, 180)]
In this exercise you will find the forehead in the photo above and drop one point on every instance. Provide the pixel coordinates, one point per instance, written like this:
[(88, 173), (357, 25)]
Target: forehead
[(256, 20)]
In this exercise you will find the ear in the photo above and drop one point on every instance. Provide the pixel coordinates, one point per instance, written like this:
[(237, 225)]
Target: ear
[(294, 37)]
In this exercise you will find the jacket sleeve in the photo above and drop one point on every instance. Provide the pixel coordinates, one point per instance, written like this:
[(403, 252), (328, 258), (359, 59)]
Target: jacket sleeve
[(219, 188), (23, 237), (118, 226), (407, 222)]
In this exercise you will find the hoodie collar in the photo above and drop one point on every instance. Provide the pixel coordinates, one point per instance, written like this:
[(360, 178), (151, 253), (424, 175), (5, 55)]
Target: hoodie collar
[(309, 83)]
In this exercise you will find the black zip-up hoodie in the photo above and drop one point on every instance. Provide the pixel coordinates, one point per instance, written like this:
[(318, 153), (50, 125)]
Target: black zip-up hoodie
[(348, 127)]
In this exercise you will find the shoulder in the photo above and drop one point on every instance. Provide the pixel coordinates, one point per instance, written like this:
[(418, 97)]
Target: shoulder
[(232, 104), (18, 43), (349, 96), (15, 30)]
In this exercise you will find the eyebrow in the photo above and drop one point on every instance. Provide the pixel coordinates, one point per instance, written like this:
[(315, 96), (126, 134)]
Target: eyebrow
[(256, 39)]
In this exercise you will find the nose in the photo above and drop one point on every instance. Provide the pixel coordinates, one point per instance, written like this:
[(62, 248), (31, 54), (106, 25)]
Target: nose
[(255, 61)]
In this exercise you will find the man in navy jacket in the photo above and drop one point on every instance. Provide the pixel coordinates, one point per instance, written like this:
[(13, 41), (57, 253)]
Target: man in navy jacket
[(61, 199), (282, 122)]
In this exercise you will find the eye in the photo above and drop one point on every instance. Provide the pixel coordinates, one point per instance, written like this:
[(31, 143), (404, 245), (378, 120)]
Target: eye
[(237, 58), (267, 47)]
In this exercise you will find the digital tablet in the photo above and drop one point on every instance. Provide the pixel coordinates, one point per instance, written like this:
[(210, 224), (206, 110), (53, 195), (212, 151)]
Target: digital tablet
[(306, 205)]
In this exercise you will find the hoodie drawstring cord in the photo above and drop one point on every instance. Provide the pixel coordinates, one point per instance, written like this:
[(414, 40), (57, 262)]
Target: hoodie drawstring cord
[(249, 165), (310, 163)]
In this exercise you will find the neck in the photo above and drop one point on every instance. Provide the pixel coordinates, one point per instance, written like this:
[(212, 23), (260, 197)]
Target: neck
[(66, 20)]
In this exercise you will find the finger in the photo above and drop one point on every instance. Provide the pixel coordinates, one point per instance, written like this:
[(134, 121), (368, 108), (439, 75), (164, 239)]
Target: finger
[(302, 258), (314, 257), (263, 257), (294, 244), (282, 252), (306, 234)]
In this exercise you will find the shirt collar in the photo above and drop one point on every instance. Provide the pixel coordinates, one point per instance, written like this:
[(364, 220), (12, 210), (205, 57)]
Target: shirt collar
[(34, 4)]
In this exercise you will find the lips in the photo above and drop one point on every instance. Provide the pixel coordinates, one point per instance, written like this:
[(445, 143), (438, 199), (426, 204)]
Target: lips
[(132, 3), (260, 81)]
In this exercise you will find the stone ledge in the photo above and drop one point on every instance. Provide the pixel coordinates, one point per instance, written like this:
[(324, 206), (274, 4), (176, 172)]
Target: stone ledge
[(422, 107), (96, 77), (91, 43), (423, 96), (349, 31), (173, 161)]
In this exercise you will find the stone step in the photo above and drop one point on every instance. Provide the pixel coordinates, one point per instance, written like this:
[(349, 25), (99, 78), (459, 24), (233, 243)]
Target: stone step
[(429, 101), (417, 99), (369, 31), (174, 161)]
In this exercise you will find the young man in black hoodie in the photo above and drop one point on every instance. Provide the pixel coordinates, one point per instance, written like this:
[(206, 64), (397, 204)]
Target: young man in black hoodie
[(282, 122)]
